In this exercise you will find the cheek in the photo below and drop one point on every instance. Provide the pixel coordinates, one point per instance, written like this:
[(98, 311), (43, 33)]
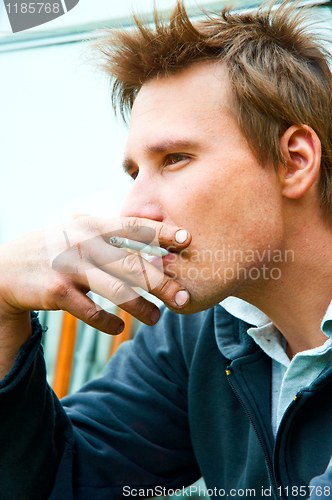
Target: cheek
[(198, 205), (182, 201), (228, 203)]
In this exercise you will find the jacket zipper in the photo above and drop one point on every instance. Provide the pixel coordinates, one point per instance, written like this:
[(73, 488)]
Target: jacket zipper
[(289, 408), (267, 458)]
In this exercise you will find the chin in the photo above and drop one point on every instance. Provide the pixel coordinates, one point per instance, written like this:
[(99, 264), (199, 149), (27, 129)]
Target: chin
[(202, 297)]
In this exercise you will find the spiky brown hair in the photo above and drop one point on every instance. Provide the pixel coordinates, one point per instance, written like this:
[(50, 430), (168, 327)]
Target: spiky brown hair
[(278, 70)]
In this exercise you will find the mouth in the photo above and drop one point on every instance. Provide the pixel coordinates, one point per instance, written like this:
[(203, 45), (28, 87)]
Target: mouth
[(161, 261)]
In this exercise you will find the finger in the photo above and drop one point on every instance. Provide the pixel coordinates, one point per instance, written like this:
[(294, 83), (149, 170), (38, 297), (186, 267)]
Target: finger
[(144, 230), (116, 277), (171, 293), (154, 233), (110, 287), (122, 294), (132, 270), (79, 258), (165, 234), (96, 253), (83, 308)]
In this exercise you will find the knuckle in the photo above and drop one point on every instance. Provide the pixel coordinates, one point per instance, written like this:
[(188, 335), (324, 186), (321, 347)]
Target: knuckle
[(141, 229), (132, 265), (130, 222), (140, 307), (93, 314), (165, 287), (131, 227), (100, 319), (117, 289), (60, 290), (160, 230)]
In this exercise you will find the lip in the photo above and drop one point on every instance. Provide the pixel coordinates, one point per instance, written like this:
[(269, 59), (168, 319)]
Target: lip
[(158, 261)]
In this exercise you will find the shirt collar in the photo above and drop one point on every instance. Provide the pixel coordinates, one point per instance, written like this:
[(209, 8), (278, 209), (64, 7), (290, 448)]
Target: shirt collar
[(247, 312), (254, 316), (265, 333), (327, 322)]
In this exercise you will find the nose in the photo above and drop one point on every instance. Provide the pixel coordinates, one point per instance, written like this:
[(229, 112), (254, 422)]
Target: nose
[(143, 200)]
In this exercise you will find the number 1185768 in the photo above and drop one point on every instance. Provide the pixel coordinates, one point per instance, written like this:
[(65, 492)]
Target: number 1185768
[(303, 491), (33, 8)]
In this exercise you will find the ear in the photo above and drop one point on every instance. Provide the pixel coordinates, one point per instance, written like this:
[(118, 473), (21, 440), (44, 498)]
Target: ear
[(301, 149)]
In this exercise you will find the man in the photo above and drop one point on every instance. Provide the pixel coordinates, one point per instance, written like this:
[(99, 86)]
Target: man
[(230, 151)]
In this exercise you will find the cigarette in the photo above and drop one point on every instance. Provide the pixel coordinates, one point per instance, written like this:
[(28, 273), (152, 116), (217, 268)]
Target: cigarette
[(138, 246)]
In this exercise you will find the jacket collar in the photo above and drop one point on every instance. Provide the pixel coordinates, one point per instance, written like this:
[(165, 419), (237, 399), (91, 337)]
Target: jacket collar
[(231, 334)]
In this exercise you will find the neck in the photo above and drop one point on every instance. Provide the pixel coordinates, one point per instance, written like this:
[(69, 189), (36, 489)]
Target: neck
[(296, 303)]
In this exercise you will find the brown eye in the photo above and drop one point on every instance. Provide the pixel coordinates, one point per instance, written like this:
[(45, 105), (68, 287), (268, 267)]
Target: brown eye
[(176, 158), (134, 175)]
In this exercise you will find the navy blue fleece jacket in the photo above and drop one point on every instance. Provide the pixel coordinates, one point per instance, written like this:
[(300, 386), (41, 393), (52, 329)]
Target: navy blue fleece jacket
[(187, 397)]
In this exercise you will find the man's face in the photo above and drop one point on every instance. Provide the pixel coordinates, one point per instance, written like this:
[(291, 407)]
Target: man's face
[(193, 168)]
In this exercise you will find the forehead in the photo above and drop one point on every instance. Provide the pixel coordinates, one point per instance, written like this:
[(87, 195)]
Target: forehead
[(198, 98), (212, 76)]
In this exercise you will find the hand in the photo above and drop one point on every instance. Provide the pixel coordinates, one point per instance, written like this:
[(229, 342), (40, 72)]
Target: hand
[(55, 269)]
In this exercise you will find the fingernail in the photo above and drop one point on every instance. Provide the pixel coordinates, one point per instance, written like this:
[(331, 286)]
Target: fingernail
[(181, 297), (181, 235), (120, 329), (155, 315)]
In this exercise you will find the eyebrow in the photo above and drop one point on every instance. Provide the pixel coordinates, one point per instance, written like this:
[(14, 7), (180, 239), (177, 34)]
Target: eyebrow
[(167, 146)]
